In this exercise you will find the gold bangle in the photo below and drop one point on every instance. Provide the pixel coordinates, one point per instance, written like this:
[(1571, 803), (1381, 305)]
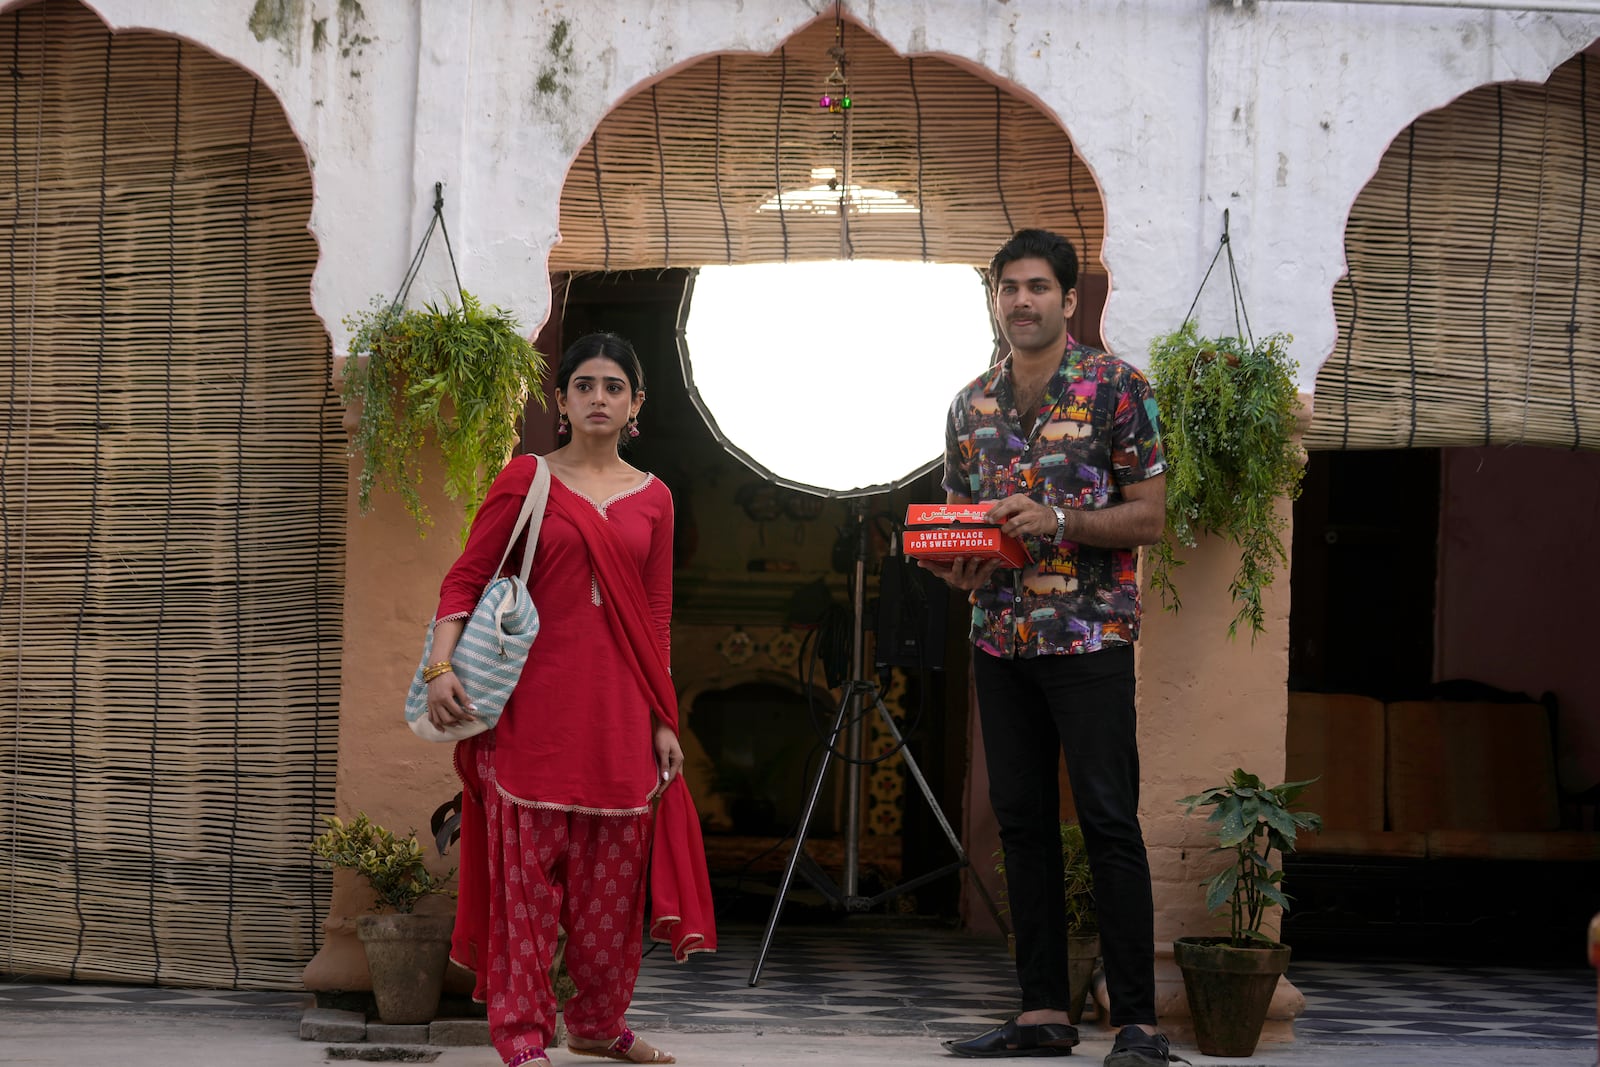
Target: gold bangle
[(435, 670)]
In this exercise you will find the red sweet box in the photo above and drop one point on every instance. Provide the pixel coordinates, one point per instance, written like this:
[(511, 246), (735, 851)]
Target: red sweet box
[(951, 531)]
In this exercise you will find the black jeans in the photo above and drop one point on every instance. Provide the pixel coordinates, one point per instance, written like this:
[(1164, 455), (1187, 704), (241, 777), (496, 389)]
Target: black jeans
[(1030, 709)]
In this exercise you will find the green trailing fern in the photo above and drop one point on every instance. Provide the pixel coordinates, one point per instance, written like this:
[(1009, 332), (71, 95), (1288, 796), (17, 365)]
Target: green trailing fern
[(460, 373), (1227, 427)]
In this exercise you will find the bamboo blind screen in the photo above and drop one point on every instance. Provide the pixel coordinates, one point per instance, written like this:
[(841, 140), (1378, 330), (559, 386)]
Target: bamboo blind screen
[(676, 174), (173, 508), (1471, 312)]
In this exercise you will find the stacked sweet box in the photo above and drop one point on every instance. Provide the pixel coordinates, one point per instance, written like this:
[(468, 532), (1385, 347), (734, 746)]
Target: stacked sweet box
[(953, 531)]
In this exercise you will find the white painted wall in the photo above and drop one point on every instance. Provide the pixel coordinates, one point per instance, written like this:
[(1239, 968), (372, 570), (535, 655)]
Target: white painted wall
[(1277, 111)]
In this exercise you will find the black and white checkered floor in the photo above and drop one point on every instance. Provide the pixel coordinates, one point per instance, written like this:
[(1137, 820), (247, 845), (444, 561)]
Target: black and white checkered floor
[(120, 998), (1413, 1003), (877, 980), (836, 978)]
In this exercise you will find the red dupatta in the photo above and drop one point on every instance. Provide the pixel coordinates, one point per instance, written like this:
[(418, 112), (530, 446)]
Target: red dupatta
[(680, 888)]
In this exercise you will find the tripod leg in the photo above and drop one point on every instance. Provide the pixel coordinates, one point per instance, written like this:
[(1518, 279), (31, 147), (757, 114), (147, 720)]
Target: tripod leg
[(938, 813), (800, 836)]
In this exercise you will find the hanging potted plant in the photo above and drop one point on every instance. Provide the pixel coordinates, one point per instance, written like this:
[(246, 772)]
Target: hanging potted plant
[(1230, 980), (1227, 427), (1083, 934), (406, 952), (458, 373)]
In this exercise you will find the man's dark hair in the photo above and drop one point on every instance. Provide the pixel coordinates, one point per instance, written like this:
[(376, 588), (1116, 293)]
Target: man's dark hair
[(1038, 244)]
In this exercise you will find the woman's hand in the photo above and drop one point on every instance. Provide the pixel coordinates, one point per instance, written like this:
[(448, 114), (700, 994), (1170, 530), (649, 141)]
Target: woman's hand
[(669, 757), (447, 702)]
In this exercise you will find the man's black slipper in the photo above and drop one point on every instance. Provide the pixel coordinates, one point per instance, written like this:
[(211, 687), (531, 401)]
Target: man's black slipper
[(1019, 1039)]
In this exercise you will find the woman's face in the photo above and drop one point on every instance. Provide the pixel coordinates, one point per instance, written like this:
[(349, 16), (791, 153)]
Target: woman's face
[(598, 399)]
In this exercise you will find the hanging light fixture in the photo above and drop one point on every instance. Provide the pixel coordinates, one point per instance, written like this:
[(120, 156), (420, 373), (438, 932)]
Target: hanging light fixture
[(824, 197)]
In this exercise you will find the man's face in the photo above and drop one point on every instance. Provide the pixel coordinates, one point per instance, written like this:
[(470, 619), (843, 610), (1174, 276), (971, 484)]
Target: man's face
[(1029, 305)]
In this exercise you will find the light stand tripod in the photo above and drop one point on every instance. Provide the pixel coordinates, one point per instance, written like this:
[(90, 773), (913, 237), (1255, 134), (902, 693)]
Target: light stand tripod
[(854, 696)]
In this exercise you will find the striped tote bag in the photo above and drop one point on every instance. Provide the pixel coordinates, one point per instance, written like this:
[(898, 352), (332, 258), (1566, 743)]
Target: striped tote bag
[(489, 657)]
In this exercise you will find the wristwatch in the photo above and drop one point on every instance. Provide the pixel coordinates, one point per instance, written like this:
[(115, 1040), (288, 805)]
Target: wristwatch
[(1061, 525)]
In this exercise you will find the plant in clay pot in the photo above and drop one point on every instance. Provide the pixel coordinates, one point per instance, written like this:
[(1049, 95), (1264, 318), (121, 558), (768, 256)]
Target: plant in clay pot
[(458, 373), (1230, 980), (1083, 927), (406, 952), (1227, 429)]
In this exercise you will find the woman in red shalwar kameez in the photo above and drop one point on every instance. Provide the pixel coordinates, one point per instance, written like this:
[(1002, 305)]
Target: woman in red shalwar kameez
[(557, 819)]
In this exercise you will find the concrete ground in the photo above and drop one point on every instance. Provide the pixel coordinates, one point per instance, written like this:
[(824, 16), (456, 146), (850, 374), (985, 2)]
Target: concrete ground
[(121, 1038)]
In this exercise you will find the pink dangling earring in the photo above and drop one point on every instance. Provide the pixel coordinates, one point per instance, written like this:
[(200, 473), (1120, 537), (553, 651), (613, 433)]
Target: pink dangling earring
[(633, 427), (562, 429)]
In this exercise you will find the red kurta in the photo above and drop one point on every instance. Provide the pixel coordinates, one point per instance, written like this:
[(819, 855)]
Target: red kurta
[(576, 733)]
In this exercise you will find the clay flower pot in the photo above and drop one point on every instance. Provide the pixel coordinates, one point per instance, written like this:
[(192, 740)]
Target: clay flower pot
[(406, 955), (1229, 991), (1082, 952)]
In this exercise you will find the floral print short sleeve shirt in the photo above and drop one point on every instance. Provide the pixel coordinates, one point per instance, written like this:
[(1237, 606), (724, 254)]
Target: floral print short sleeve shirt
[(1096, 431)]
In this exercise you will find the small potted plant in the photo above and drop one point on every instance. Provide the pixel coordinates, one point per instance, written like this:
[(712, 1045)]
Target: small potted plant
[(458, 373), (1083, 937), (1228, 409), (1230, 980), (406, 952)]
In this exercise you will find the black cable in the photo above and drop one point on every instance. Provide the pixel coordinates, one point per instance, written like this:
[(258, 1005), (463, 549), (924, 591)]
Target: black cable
[(999, 184), (324, 507), (661, 167), (1072, 199), (11, 280), (600, 198), (1349, 342), (1239, 310), (1221, 246), (1494, 231), (238, 518), (415, 266), (916, 105), (1577, 250), (1411, 338), (94, 506), (156, 670), (716, 165), (444, 231), (777, 147)]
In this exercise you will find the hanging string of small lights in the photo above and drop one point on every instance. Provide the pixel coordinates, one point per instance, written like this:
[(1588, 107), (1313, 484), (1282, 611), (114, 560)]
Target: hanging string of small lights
[(836, 100)]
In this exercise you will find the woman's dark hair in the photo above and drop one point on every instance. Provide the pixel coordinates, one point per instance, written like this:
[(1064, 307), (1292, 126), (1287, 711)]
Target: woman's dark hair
[(1038, 244), (608, 345)]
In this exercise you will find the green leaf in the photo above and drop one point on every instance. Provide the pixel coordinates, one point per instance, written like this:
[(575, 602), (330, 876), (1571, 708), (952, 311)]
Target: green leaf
[(1280, 820), (1221, 887), (1272, 893), (1233, 828)]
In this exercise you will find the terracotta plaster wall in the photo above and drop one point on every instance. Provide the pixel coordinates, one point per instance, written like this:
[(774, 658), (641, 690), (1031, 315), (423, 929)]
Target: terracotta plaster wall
[(1207, 704), (391, 588), (1532, 513)]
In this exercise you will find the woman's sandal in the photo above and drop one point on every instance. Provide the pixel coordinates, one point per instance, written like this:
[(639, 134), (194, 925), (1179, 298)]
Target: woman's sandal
[(625, 1049), (533, 1055)]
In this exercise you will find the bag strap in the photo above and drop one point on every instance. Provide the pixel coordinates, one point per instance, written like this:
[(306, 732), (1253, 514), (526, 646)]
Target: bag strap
[(531, 516)]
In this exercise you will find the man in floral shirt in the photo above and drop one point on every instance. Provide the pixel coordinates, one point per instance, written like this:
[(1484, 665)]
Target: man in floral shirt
[(1063, 440)]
